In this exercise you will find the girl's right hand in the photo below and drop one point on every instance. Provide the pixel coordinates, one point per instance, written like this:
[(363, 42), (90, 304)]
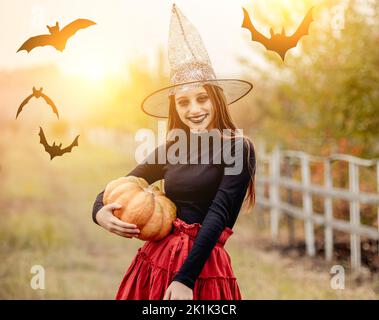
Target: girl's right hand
[(108, 221)]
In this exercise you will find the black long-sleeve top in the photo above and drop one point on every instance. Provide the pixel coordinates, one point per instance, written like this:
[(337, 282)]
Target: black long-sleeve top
[(202, 193)]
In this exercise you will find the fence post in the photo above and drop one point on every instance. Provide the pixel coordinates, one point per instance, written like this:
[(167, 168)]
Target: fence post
[(328, 205), (290, 219), (355, 239), (274, 191), (307, 206)]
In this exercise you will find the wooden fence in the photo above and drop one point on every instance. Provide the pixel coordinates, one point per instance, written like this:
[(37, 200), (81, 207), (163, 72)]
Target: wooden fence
[(279, 163)]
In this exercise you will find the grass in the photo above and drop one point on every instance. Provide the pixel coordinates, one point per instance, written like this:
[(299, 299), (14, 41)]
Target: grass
[(268, 274), (45, 211)]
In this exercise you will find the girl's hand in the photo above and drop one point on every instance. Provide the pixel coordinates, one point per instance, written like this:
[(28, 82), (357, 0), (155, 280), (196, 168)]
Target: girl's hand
[(109, 222), (178, 291)]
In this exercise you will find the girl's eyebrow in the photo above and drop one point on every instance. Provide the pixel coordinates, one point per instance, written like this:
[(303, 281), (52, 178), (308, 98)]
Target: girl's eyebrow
[(181, 98), (197, 95)]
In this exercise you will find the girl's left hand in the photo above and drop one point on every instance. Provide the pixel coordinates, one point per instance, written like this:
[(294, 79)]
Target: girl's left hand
[(178, 291)]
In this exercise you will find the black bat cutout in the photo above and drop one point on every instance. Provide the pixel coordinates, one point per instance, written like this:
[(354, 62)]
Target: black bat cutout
[(54, 150), (57, 38), (280, 42), (37, 94)]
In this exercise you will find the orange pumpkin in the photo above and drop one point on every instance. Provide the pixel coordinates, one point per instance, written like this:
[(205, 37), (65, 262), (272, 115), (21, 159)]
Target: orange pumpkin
[(143, 205)]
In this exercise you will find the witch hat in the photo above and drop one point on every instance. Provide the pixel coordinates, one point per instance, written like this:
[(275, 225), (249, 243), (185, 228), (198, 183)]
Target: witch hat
[(190, 67)]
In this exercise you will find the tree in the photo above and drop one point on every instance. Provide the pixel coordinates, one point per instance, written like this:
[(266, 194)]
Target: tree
[(325, 97)]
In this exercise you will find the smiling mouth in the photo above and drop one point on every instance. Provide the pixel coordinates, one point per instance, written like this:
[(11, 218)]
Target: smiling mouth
[(198, 119)]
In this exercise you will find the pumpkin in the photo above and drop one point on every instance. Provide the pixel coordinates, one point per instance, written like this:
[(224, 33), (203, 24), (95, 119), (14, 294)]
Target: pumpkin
[(143, 205)]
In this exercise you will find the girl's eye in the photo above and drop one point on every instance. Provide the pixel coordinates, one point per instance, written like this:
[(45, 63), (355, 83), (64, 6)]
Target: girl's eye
[(202, 98), (183, 103)]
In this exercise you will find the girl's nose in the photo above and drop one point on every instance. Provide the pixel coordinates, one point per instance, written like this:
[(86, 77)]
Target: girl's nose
[(194, 107)]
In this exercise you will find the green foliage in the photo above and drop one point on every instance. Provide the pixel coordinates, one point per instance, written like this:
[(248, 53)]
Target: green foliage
[(325, 97)]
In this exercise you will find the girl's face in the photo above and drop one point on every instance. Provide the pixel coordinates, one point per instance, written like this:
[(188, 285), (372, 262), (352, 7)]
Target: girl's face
[(195, 109)]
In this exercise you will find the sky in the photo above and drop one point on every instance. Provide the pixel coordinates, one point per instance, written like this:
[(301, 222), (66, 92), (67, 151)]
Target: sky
[(126, 30)]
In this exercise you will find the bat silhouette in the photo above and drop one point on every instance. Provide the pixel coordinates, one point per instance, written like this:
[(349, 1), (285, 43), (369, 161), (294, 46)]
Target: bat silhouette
[(280, 42), (37, 94), (54, 150), (57, 38)]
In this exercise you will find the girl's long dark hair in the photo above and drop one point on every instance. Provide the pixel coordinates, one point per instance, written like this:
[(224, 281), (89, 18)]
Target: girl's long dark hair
[(222, 120)]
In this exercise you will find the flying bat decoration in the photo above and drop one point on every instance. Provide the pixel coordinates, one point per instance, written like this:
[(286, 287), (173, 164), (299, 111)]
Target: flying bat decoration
[(279, 42), (57, 38), (37, 94), (54, 150)]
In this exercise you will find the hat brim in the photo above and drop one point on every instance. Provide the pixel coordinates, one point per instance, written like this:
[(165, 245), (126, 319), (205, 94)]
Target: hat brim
[(157, 103)]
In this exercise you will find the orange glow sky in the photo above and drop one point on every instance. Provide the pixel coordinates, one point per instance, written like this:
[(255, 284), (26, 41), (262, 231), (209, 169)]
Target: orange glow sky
[(126, 29)]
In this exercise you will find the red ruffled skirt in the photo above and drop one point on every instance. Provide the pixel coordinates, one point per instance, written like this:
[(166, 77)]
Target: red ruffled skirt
[(156, 263)]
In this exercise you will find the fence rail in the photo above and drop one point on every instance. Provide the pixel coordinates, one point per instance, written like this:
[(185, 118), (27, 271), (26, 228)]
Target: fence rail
[(275, 180)]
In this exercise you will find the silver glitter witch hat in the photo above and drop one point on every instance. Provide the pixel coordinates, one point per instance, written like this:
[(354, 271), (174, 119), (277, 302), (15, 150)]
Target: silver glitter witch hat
[(190, 67)]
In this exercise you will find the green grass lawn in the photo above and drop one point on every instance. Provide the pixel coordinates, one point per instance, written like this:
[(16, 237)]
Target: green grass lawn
[(45, 212)]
